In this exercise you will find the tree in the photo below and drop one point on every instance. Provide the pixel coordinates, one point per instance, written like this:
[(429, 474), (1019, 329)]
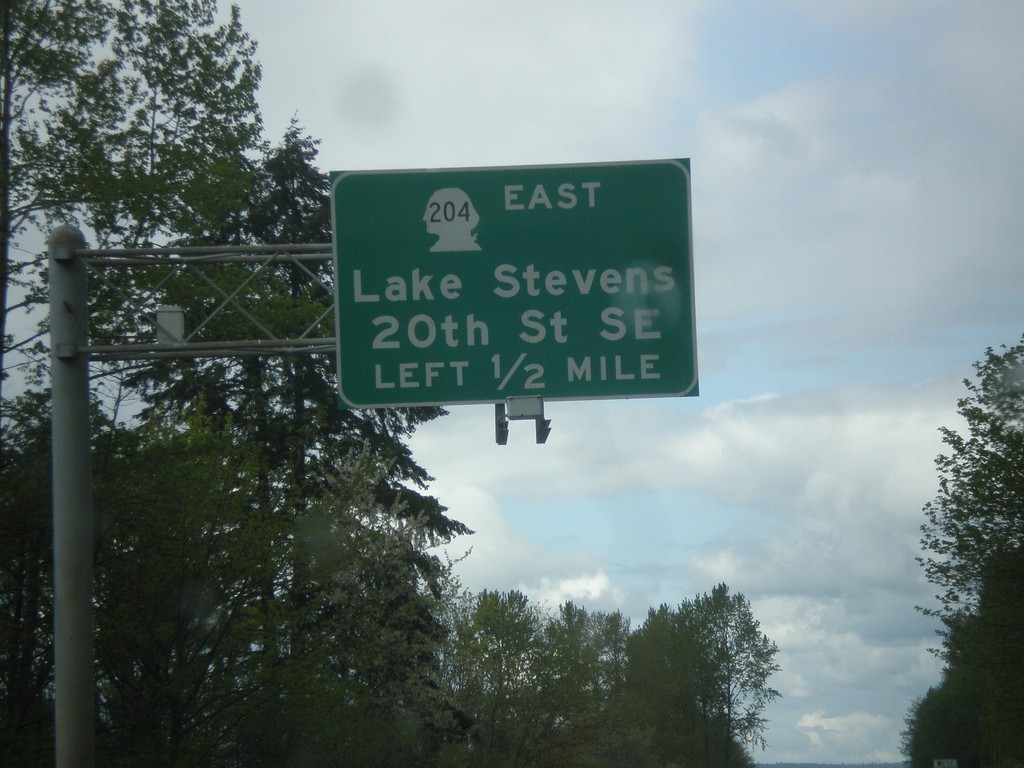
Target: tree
[(182, 560), (129, 117), (26, 588), (660, 686), (44, 52), (500, 640), (580, 719), (294, 616), (973, 539), (287, 408), (132, 116), (976, 516), (573, 688), (376, 611), (287, 405), (537, 689), (994, 647), (231, 633), (945, 723), (698, 675), (350, 615), (733, 663)]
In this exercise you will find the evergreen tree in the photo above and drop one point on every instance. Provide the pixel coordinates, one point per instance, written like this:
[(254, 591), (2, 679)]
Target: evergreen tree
[(288, 405), (349, 614), (945, 723), (232, 634), (269, 594), (26, 585)]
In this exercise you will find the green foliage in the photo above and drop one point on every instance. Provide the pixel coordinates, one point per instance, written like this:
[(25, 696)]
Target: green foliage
[(287, 405), (976, 516), (945, 723), (973, 539), (236, 628), (266, 592), (132, 117), (661, 687), (149, 137), (490, 670), (26, 590), (339, 629), (699, 673), (986, 646), (45, 48), (183, 559), (580, 689), (734, 661), (232, 632), (48, 48)]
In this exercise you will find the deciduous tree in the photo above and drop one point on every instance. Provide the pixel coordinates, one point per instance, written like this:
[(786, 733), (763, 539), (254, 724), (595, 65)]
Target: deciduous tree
[(973, 541), (132, 117), (976, 517), (660, 686), (734, 660)]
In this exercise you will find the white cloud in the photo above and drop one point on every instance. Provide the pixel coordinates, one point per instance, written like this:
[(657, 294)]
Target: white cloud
[(589, 590), (838, 450), (499, 551), (838, 478), (463, 83), (847, 209), (862, 15), (976, 57), (854, 732), (500, 555)]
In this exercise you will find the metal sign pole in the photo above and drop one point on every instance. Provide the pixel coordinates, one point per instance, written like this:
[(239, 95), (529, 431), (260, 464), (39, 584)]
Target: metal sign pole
[(70, 262), (75, 689)]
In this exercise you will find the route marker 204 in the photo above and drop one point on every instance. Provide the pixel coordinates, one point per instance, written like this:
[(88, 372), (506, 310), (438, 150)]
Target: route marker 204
[(564, 282)]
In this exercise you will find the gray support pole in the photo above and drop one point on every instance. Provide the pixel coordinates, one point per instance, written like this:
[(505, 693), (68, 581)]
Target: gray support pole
[(72, 503)]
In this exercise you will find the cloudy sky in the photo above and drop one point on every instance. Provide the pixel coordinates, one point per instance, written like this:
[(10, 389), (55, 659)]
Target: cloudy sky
[(857, 175)]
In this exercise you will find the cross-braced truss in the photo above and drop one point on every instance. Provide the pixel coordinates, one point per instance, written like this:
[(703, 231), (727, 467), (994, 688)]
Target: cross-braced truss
[(231, 298)]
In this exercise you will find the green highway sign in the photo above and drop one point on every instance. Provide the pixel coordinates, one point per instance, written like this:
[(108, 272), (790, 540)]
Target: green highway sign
[(565, 282)]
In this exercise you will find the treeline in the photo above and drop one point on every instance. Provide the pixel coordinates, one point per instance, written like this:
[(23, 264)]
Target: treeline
[(239, 624), (688, 687), (974, 553)]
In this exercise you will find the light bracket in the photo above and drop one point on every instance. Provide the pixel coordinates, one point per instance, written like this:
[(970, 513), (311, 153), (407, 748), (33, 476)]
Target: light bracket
[(520, 409)]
